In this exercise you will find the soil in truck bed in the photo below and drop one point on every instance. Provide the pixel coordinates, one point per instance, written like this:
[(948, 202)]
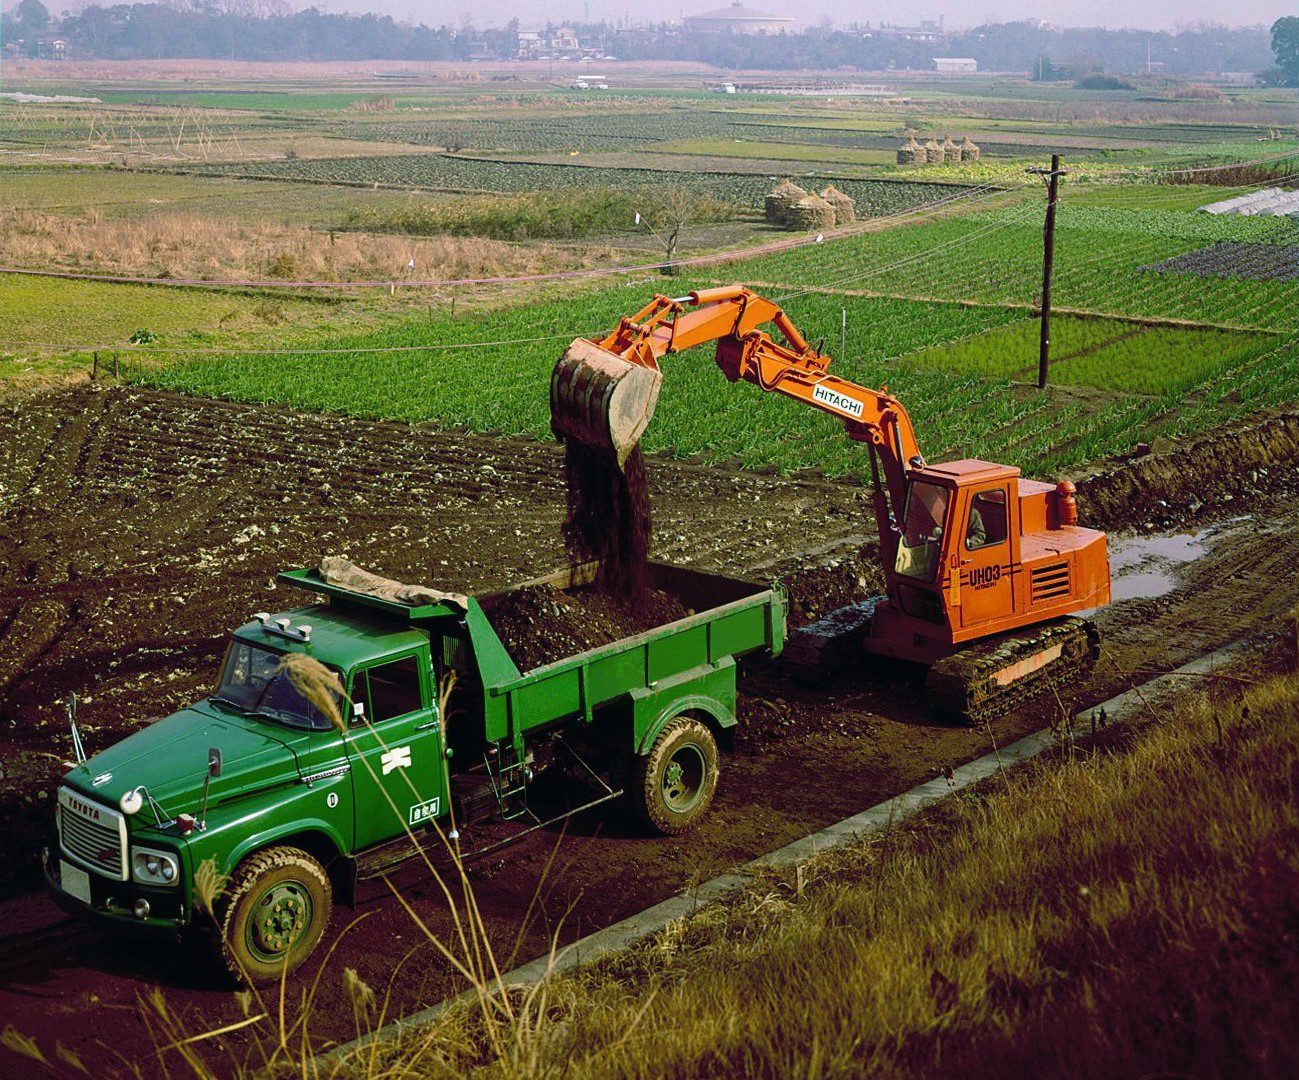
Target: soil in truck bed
[(539, 624)]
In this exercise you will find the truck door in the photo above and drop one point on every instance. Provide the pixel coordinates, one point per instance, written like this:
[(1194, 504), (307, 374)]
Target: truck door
[(983, 543), (396, 748)]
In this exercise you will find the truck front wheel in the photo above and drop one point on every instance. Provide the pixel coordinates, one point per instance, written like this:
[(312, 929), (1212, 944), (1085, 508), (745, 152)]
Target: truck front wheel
[(277, 906), (673, 785)]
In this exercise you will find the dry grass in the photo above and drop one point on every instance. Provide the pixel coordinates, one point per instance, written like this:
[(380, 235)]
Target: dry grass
[(1132, 912), (192, 246)]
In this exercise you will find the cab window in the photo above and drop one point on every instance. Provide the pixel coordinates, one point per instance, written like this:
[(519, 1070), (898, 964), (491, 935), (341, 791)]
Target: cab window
[(922, 531), (389, 690), (986, 526)]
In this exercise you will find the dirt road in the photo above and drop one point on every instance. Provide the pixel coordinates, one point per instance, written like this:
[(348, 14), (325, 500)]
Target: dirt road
[(137, 528)]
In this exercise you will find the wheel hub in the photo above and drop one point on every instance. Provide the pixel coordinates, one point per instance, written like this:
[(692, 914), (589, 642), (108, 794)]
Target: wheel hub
[(683, 779), (279, 919)]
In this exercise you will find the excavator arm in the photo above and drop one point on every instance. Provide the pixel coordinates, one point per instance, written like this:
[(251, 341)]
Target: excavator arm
[(603, 391)]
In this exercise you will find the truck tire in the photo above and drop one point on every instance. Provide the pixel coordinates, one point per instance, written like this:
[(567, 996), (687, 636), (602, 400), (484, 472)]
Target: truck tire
[(275, 911), (673, 785)]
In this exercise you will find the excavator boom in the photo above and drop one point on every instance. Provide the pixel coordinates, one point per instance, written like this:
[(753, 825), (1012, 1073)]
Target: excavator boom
[(603, 391)]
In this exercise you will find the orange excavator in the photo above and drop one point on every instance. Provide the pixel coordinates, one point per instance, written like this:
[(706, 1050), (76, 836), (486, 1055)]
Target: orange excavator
[(985, 571)]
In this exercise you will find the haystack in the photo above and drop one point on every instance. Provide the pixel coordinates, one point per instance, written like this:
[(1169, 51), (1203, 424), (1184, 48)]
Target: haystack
[(782, 198), (951, 152), (845, 210), (812, 212), (911, 152), (933, 152), (969, 152)]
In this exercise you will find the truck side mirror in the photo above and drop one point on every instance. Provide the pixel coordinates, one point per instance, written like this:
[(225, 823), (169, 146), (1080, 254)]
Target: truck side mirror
[(358, 710), (214, 762)]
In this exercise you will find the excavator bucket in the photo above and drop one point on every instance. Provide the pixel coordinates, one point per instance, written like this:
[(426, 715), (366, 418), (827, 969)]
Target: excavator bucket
[(600, 399)]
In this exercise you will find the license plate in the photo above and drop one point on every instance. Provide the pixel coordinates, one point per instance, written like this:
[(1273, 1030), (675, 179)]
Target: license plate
[(75, 881)]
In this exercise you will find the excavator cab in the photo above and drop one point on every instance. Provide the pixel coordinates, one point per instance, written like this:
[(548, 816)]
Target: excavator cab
[(980, 551)]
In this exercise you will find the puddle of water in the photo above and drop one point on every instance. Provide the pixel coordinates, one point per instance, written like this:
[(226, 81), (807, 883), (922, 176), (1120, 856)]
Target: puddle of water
[(1143, 567)]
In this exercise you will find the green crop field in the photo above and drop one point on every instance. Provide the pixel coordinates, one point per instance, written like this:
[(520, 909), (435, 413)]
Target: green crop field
[(995, 258), (942, 310), (504, 387), (456, 173), (1103, 353)]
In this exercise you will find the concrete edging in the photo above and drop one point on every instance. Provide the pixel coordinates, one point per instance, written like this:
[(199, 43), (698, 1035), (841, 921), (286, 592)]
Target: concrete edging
[(1118, 710)]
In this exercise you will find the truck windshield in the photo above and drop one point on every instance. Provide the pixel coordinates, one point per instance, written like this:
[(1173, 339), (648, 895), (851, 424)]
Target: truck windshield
[(249, 682), (922, 532)]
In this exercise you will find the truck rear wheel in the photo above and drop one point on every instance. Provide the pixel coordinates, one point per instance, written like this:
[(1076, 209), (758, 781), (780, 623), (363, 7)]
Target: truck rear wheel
[(673, 785), (277, 906)]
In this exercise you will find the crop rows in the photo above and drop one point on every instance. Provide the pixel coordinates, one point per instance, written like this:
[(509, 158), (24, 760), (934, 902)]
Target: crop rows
[(1103, 353), (1232, 259), (443, 172), (504, 388), (537, 134), (996, 258)]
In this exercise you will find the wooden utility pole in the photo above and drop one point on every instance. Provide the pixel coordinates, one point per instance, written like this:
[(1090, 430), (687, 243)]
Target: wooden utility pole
[(1051, 177)]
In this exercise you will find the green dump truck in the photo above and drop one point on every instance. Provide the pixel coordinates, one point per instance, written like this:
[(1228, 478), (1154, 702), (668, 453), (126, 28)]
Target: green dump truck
[(294, 810)]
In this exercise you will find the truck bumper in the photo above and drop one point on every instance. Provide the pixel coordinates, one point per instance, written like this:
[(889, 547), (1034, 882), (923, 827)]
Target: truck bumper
[(112, 903)]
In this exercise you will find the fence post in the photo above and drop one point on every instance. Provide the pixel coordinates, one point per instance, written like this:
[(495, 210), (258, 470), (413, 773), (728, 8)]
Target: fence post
[(94, 367)]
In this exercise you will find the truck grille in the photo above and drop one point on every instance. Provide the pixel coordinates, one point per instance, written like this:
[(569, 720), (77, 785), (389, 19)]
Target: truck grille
[(1049, 582), (92, 834)]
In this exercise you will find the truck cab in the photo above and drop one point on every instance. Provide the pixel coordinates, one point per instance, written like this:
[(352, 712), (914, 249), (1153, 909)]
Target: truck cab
[(257, 764)]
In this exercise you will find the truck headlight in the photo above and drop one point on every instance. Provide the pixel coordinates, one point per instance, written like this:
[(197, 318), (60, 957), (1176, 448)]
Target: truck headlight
[(151, 867)]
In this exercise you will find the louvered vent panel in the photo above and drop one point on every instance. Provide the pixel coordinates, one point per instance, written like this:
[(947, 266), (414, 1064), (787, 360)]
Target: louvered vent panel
[(1048, 583)]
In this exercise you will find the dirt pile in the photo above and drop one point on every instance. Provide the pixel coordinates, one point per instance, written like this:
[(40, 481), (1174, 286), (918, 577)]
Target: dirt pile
[(608, 518), (1171, 483), (541, 624)]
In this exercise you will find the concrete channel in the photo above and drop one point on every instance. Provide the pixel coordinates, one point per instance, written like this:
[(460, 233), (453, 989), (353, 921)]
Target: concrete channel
[(1117, 710)]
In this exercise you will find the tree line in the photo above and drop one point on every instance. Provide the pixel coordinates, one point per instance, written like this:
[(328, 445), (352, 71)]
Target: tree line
[(268, 30)]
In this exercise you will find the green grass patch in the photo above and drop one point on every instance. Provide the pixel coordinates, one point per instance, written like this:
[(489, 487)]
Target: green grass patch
[(75, 314), (1102, 353)]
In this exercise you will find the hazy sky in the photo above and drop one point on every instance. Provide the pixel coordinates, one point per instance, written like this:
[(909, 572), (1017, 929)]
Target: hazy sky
[(1156, 14)]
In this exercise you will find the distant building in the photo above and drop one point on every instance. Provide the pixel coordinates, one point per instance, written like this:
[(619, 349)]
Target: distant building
[(928, 32), (737, 19), (552, 43), (956, 65)]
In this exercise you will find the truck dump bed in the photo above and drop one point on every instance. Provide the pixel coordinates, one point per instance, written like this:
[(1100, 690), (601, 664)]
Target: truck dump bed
[(731, 618)]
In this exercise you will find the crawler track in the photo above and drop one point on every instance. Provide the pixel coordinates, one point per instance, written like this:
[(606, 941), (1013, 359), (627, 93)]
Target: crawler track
[(979, 683)]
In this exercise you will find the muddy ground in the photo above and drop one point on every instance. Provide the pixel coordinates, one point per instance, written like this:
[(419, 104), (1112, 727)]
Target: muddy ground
[(137, 528)]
